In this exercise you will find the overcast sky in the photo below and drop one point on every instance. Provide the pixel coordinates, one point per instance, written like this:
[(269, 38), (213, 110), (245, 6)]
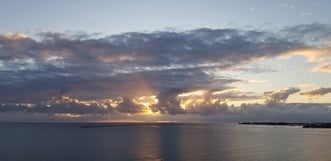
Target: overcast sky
[(153, 60)]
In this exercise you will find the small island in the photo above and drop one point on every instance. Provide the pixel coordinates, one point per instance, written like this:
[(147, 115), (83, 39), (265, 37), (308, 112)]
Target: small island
[(303, 125)]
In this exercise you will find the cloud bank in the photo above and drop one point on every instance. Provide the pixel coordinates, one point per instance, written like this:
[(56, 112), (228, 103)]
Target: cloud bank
[(163, 64)]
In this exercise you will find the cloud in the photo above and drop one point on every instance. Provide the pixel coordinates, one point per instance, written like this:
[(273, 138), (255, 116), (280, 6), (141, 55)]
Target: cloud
[(198, 106), (317, 55), (306, 14), (326, 67), (128, 106), (62, 105), (317, 49), (281, 95), (236, 95), (287, 112), (87, 67), (317, 92), (164, 64), (168, 103), (311, 34)]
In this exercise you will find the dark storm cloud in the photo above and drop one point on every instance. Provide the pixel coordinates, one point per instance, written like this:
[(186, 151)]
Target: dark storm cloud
[(317, 92)]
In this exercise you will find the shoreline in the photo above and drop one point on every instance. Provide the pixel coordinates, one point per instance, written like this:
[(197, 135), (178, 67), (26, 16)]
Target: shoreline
[(303, 125)]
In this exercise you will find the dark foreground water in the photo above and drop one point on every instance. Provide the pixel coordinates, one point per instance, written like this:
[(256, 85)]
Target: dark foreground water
[(171, 142)]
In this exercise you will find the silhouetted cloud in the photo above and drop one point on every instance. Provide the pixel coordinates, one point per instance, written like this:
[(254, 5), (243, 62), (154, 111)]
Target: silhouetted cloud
[(128, 106), (238, 95), (317, 92), (168, 104), (288, 112), (280, 96), (57, 106)]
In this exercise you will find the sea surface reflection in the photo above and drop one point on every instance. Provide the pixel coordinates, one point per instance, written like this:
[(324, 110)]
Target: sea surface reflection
[(157, 142)]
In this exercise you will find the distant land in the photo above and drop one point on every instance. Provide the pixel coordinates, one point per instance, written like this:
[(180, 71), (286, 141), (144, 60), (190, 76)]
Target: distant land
[(303, 125)]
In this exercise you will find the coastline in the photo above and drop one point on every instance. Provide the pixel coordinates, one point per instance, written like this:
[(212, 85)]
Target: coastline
[(303, 125)]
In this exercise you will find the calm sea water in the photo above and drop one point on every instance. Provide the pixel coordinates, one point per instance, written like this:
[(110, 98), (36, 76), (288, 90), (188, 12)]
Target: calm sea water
[(170, 142)]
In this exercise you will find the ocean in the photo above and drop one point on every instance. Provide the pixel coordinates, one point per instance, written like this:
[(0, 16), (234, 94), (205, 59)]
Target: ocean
[(161, 142)]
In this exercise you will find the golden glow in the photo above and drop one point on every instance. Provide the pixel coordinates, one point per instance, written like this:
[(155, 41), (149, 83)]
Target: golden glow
[(15, 36), (313, 54), (225, 91), (257, 81), (113, 102), (67, 115), (148, 111), (239, 102), (214, 100), (325, 67), (187, 103), (147, 102), (184, 103), (193, 93)]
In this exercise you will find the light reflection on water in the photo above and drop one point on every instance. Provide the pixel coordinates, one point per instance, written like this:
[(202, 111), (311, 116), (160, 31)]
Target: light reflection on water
[(156, 142)]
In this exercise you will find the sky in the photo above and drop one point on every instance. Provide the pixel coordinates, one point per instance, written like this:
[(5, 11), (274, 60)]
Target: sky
[(155, 61)]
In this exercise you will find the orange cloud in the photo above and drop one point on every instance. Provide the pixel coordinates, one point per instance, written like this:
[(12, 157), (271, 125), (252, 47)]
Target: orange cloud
[(326, 67), (321, 56)]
